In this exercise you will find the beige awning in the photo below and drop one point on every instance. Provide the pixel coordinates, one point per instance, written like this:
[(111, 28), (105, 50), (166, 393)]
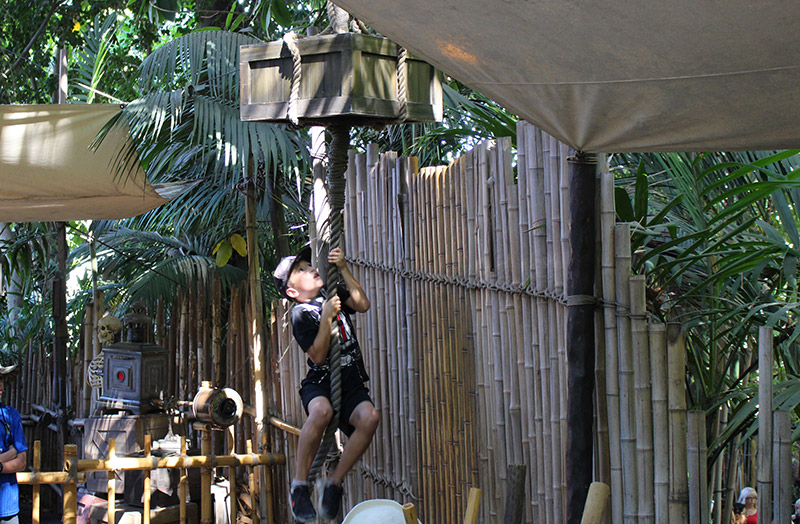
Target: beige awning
[(48, 171), (678, 75)]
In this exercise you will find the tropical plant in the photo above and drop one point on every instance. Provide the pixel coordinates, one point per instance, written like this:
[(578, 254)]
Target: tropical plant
[(716, 235)]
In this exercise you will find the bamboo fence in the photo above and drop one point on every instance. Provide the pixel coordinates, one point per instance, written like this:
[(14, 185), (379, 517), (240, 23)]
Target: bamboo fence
[(465, 341)]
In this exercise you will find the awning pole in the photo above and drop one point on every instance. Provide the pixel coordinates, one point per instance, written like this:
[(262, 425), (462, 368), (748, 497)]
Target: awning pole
[(580, 332)]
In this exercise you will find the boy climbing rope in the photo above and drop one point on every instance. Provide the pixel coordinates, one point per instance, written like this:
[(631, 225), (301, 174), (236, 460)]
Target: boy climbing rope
[(312, 317)]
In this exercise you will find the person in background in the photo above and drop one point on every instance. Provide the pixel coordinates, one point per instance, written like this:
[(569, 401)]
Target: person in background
[(12, 455), (796, 514), (749, 498)]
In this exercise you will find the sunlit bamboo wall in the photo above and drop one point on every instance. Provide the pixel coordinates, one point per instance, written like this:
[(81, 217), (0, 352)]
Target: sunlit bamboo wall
[(465, 342)]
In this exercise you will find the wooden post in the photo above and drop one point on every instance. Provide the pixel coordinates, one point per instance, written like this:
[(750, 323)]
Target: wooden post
[(71, 488), (148, 444), (580, 332), (37, 466), (112, 483), (764, 470), (515, 494)]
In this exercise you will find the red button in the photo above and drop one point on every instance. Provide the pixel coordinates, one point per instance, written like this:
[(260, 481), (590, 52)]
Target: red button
[(120, 376)]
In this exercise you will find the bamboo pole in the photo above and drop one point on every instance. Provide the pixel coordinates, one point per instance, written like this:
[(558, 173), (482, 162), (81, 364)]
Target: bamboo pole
[(71, 487), (183, 483), (642, 400), (148, 444), (233, 506), (765, 395), (252, 483), (88, 344), (160, 323), (782, 470), (216, 330), (410, 514), (622, 237), (676, 396), (112, 482), (205, 475), (553, 333), (540, 260), (595, 503), (184, 370), (261, 354), (173, 367), (698, 471), (473, 505), (37, 466), (658, 374), (192, 340)]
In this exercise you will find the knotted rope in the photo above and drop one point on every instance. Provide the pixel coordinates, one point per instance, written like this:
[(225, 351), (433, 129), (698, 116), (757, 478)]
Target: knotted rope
[(337, 166), (290, 41)]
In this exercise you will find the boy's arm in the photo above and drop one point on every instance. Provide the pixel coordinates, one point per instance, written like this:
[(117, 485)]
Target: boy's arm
[(358, 300), (318, 351)]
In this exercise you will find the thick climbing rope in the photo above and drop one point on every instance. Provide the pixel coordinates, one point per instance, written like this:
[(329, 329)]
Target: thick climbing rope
[(337, 166)]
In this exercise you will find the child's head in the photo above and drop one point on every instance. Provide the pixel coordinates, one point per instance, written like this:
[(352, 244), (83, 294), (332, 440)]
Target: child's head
[(748, 497), (296, 279)]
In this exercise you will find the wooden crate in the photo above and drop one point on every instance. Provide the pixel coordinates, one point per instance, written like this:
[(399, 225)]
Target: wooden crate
[(344, 75)]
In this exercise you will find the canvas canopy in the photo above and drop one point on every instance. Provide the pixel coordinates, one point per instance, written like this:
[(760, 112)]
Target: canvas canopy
[(48, 171), (600, 75)]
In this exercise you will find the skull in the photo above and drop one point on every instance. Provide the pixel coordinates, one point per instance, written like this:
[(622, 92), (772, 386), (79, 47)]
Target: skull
[(108, 329)]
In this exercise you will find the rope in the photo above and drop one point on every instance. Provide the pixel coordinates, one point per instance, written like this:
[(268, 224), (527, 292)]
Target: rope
[(290, 41), (402, 84), (337, 166), (338, 18)]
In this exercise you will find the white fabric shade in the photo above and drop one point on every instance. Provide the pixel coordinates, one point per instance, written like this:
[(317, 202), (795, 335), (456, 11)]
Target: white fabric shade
[(49, 173), (682, 75)]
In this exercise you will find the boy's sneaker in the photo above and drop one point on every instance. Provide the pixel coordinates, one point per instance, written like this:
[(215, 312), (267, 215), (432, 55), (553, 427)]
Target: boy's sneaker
[(331, 500), (302, 510)]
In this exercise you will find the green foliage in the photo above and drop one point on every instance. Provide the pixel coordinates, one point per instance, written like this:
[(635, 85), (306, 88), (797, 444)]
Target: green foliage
[(716, 235)]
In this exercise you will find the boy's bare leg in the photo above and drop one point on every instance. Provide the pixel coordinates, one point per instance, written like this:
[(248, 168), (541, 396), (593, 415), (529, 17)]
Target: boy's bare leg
[(365, 421), (319, 415)]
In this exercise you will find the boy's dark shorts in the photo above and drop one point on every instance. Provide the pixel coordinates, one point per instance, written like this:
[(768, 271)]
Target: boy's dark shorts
[(351, 397)]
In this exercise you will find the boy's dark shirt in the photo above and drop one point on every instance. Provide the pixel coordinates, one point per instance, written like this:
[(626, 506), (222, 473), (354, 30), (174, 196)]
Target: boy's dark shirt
[(305, 325)]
